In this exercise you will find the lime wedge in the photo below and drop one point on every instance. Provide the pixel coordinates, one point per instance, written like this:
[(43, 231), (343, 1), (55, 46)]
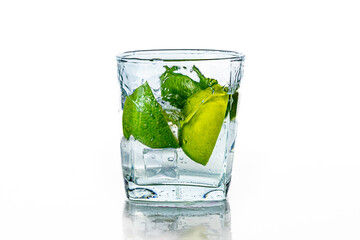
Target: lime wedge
[(204, 114), (145, 120)]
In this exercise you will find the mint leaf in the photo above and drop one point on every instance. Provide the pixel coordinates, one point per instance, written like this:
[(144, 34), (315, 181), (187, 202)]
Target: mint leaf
[(204, 81), (234, 104), (176, 88)]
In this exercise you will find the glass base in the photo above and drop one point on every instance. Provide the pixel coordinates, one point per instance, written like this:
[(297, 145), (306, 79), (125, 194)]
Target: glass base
[(175, 193)]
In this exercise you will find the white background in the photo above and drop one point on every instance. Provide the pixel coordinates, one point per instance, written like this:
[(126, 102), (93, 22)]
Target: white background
[(296, 174)]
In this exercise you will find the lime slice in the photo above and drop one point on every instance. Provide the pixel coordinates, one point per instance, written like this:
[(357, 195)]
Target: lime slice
[(204, 115), (145, 120)]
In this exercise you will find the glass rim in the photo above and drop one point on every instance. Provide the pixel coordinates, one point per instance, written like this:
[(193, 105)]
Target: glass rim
[(169, 55)]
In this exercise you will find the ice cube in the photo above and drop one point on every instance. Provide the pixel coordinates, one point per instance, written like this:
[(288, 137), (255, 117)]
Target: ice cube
[(160, 163)]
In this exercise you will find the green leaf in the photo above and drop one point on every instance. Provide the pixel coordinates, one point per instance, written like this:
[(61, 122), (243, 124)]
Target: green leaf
[(234, 103), (204, 81), (176, 88)]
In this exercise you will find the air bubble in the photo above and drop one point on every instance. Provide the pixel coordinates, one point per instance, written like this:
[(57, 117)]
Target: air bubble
[(170, 159)]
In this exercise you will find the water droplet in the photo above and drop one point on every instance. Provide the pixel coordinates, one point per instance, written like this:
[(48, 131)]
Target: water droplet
[(185, 162), (170, 159), (181, 158), (153, 156)]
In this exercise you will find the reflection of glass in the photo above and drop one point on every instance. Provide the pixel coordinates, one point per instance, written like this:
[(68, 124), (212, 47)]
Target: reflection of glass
[(178, 123), (177, 221)]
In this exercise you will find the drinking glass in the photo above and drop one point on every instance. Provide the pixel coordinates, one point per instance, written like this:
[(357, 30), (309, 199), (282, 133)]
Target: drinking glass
[(179, 110)]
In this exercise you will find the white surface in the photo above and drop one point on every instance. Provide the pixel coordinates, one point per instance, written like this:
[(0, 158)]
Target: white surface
[(296, 175)]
